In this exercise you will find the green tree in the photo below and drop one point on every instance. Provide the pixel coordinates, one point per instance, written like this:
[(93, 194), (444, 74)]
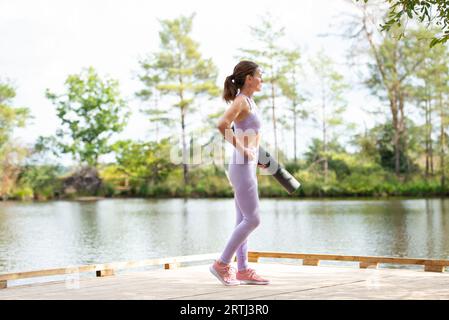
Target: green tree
[(91, 111), (434, 93), (314, 157), (443, 112), (430, 11), (426, 94), (330, 89), (178, 70), (146, 161), (42, 179), (158, 113), (271, 58), (10, 152), (290, 88), (383, 135), (366, 144), (10, 117), (391, 72)]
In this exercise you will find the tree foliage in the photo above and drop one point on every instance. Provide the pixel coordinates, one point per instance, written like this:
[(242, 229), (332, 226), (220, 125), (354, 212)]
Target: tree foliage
[(428, 11), (91, 111), (149, 161), (10, 117), (178, 71), (11, 153)]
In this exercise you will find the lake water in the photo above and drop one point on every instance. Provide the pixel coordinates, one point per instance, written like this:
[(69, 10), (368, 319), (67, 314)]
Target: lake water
[(40, 235)]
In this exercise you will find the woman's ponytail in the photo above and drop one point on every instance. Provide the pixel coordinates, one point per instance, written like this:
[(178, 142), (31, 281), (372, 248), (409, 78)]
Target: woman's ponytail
[(230, 89)]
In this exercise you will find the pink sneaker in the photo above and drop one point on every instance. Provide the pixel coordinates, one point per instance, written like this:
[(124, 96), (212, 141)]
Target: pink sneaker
[(224, 273), (249, 276)]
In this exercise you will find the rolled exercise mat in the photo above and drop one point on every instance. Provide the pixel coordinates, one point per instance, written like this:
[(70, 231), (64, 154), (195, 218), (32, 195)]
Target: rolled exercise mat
[(278, 172), (284, 177)]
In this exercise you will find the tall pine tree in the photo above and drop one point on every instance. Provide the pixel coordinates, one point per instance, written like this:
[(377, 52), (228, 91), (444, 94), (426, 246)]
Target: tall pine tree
[(179, 71)]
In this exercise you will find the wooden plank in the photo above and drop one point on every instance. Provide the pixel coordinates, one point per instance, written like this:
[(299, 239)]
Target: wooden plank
[(159, 261), (367, 259), (105, 273), (47, 272), (169, 266), (252, 257), (311, 262), (107, 266), (433, 268), (365, 265)]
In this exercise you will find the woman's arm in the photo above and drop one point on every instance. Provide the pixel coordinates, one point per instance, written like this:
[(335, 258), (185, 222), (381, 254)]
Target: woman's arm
[(224, 124)]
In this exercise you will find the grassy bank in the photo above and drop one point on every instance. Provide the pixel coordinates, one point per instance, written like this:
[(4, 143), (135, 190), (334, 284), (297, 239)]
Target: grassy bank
[(211, 182)]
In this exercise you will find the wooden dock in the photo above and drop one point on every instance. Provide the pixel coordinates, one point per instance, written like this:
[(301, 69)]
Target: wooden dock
[(290, 280)]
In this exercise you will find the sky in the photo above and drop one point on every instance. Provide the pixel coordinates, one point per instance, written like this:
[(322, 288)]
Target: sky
[(44, 41)]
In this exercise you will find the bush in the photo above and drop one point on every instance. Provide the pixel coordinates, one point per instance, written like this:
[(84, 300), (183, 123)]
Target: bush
[(23, 193), (43, 180), (108, 189)]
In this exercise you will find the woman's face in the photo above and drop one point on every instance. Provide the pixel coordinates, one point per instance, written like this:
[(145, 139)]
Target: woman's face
[(255, 81)]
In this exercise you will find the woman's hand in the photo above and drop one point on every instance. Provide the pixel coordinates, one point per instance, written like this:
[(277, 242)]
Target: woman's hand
[(263, 166), (250, 153)]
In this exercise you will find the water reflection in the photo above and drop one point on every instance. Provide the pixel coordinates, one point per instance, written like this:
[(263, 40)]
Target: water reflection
[(62, 233)]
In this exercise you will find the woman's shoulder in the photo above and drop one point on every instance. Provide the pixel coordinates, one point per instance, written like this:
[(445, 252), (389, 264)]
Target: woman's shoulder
[(241, 102)]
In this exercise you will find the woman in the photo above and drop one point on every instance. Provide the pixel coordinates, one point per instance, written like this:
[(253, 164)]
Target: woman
[(239, 89)]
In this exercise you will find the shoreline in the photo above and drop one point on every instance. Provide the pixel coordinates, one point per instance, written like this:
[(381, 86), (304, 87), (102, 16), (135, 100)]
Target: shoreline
[(286, 198)]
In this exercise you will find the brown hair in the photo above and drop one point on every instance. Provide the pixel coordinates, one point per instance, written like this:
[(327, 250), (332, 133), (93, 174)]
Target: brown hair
[(237, 79)]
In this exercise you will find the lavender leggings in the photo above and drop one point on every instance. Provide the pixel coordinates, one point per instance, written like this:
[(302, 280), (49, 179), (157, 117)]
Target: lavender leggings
[(244, 181)]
